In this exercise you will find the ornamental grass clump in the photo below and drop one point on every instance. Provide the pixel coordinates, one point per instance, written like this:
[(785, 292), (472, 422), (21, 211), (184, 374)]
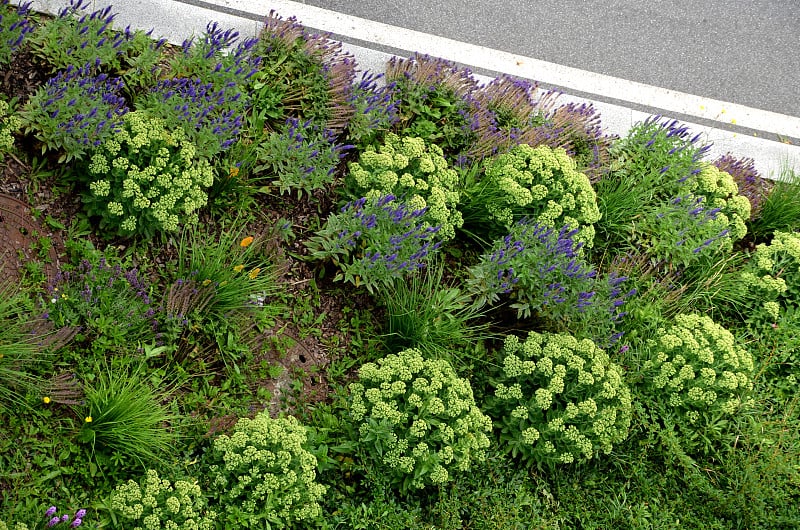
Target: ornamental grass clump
[(14, 27), (693, 374), (376, 241), (558, 400), (262, 475), (538, 183), (21, 356), (155, 503), (415, 170), (75, 111), (417, 420), (145, 179), (125, 422)]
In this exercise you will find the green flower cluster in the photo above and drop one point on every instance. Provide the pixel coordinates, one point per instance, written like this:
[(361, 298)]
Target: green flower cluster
[(771, 279), (262, 474), (559, 399), (695, 368), (418, 419), (719, 189), (146, 179), (154, 504), (539, 183), (8, 124), (410, 168)]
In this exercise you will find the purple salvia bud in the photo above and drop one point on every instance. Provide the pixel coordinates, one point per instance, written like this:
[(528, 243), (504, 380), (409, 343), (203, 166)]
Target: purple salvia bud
[(50, 511)]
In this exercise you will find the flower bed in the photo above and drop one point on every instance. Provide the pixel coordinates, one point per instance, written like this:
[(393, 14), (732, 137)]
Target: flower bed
[(294, 294)]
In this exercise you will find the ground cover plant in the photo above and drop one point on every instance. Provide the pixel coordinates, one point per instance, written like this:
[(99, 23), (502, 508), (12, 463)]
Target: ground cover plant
[(290, 294)]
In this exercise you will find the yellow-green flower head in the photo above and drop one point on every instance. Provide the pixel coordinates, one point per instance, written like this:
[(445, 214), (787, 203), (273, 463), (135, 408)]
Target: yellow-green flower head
[(428, 410), (557, 395)]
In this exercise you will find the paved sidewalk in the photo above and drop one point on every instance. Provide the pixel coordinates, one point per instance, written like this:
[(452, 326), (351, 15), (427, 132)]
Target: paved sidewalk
[(743, 131)]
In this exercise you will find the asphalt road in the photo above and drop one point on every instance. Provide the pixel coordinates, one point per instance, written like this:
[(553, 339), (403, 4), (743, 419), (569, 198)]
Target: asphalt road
[(745, 52)]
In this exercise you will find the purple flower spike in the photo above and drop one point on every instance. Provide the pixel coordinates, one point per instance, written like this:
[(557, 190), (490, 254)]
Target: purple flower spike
[(50, 511), (54, 521)]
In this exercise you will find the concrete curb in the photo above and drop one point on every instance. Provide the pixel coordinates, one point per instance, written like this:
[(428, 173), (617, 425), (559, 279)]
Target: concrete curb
[(740, 130)]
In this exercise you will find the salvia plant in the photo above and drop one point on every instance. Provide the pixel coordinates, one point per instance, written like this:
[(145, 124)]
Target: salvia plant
[(706, 215), (410, 168), (375, 241), (558, 400), (209, 115), (145, 179), (14, 27), (77, 36), (75, 111), (660, 155), (539, 183), (216, 54), (694, 373), (300, 157), (262, 475), (52, 519), (417, 420), (542, 272), (375, 111), (154, 502), (684, 230), (20, 352)]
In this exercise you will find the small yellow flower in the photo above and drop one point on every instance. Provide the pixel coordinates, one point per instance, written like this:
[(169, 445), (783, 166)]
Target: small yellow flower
[(88, 419), (234, 171), (244, 243), (733, 122), (254, 273), (46, 400), (206, 282), (238, 268)]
